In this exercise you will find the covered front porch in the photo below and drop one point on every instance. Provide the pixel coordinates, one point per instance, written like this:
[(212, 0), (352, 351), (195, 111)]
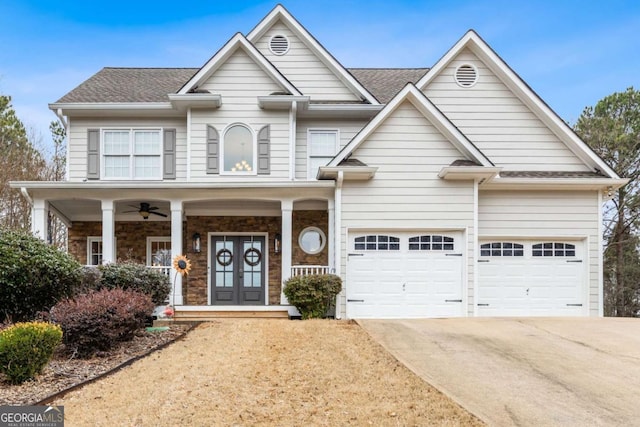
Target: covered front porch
[(243, 243)]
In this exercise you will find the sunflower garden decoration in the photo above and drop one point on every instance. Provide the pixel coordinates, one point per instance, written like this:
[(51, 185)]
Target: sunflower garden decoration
[(181, 265)]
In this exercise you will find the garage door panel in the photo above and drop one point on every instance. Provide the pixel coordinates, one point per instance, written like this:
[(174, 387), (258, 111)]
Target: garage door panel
[(403, 283), (530, 285)]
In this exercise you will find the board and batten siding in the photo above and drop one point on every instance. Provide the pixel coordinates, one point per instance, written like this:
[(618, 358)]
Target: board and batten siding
[(545, 214), (406, 192), (498, 122), (240, 81), (77, 140), (303, 68), (347, 128)]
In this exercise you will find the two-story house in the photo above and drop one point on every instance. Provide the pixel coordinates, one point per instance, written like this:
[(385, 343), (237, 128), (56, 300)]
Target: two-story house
[(448, 191)]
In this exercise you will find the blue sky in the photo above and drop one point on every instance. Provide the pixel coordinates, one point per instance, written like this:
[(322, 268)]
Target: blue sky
[(572, 53)]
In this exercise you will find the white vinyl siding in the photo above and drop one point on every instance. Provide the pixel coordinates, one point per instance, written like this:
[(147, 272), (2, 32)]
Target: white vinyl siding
[(347, 130), (303, 68), (497, 122), (550, 216), (406, 191), (240, 81), (77, 140)]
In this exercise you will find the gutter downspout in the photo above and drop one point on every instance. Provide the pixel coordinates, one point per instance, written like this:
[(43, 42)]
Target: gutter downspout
[(293, 114), (338, 237), (65, 123)]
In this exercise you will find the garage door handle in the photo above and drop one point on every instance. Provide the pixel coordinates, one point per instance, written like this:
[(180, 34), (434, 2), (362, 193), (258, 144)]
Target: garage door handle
[(574, 260), (355, 300), (483, 260), (355, 254), (574, 305), (453, 300), (483, 305), (452, 254)]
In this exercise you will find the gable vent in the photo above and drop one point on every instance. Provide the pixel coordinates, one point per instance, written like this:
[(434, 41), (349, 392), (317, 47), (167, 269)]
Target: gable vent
[(279, 44), (466, 75)]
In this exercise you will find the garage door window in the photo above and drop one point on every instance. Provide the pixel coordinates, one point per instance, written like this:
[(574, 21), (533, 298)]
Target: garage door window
[(501, 249), (377, 243), (554, 249), (431, 242)]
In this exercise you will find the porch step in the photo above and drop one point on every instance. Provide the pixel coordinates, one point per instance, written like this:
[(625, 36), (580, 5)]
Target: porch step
[(204, 315)]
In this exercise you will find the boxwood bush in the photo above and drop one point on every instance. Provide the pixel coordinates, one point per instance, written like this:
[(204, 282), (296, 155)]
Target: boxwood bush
[(33, 276), (136, 277), (99, 320), (26, 348), (312, 294)]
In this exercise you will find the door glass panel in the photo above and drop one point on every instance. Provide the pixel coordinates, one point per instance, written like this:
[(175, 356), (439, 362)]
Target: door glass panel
[(252, 264), (224, 264)]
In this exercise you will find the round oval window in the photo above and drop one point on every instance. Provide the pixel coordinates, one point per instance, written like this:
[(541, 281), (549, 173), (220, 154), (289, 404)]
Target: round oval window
[(312, 240)]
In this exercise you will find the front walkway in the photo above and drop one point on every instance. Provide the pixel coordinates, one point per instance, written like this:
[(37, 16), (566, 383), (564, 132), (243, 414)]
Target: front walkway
[(526, 372)]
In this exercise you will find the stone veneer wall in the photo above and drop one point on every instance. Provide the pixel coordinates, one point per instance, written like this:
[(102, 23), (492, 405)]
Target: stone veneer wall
[(131, 244), (131, 238), (302, 220)]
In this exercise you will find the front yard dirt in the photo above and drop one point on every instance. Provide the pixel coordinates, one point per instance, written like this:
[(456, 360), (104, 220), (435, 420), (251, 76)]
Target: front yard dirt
[(265, 372)]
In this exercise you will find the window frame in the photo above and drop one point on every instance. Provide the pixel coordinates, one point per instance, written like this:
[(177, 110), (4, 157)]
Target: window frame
[(254, 148), (311, 131), (131, 153), (323, 240), (514, 246), (426, 242), (154, 239), (368, 241), (90, 241), (557, 249)]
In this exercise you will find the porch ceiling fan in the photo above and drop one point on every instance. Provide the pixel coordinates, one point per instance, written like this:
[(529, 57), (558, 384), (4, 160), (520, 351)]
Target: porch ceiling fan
[(145, 209)]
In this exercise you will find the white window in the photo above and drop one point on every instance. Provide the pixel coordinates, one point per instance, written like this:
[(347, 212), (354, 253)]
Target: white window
[(238, 150), (94, 250), (312, 240), (322, 147), (132, 153), (159, 253)]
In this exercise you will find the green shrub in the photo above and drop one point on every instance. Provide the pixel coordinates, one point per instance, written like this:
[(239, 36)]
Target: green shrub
[(26, 348), (312, 294), (33, 276), (136, 277), (99, 320)]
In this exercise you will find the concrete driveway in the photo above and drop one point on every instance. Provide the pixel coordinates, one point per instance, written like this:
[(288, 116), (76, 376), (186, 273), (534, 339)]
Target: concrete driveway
[(525, 372)]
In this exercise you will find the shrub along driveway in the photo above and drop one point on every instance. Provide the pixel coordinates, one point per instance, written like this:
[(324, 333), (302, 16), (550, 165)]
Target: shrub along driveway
[(533, 372)]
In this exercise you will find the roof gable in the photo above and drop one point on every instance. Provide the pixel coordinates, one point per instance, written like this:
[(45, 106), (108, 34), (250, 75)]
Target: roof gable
[(280, 14), (475, 44), (411, 94), (238, 41)]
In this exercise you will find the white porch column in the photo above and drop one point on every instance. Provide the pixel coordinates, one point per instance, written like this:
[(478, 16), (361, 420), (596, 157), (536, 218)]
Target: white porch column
[(287, 232), (176, 249), (39, 214), (331, 235), (108, 232)]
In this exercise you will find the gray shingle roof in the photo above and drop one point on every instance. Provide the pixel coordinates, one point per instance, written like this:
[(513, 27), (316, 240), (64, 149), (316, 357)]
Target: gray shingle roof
[(130, 85), (549, 174), (385, 83), (153, 84)]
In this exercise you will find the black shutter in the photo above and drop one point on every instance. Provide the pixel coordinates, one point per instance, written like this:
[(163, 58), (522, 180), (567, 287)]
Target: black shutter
[(213, 150), (169, 151), (264, 163), (93, 154)]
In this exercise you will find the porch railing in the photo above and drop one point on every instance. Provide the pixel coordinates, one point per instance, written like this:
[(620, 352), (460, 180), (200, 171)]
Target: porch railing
[(303, 270)]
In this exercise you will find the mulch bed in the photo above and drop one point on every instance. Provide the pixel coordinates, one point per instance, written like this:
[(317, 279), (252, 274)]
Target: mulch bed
[(65, 372)]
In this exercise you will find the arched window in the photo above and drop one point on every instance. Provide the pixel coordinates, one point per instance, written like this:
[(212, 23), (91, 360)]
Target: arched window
[(238, 150)]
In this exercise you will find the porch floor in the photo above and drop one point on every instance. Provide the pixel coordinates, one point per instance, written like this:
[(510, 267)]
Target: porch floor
[(204, 313)]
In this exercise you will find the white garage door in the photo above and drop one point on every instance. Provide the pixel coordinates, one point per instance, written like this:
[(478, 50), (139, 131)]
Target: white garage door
[(531, 278), (404, 275)]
